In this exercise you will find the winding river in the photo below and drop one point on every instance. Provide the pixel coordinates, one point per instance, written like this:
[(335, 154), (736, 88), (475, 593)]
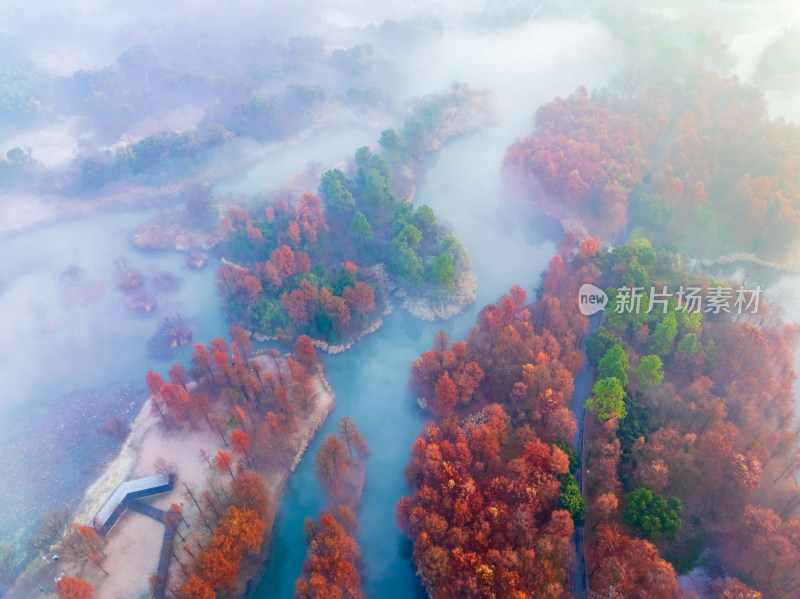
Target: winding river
[(47, 351), (100, 344), (509, 244), (371, 386)]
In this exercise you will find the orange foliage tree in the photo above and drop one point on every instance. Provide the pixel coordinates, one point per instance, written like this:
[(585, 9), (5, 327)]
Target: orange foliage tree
[(330, 568), (475, 535), (629, 567), (197, 588), (74, 588)]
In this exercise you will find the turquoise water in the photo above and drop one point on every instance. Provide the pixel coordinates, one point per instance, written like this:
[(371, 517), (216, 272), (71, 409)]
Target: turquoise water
[(371, 380), (67, 370), (98, 349)]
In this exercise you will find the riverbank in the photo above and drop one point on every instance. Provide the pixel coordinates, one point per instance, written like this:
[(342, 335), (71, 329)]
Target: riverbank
[(132, 547), (25, 210), (742, 259), (466, 291)]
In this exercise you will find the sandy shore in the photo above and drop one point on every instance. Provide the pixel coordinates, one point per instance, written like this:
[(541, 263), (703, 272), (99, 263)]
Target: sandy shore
[(431, 310), (134, 543)]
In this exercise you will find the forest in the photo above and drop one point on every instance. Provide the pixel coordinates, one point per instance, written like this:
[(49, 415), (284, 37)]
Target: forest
[(325, 268), (237, 107), (683, 460), (294, 300), (690, 445), (257, 404), (696, 443), (494, 502), (694, 165)]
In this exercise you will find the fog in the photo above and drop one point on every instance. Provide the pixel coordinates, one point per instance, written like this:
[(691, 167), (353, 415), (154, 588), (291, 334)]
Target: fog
[(81, 82)]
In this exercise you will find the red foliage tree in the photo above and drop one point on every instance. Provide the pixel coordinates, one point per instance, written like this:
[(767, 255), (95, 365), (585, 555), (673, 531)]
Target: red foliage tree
[(302, 303), (250, 289), (196, 588), (241, 444), (249, 492), (217, 569), (74, 588), (347, 430), (241, 339), (629, 567), (360, 297), (293, 233), (239, 533), (332, 460), (335, 308), (202, 362), (177, 375), (330, 568), (224, 461), (445, 396), (304, 352), (309, 216), (283, 259), (255, 235), (155, 383), (177, 401)]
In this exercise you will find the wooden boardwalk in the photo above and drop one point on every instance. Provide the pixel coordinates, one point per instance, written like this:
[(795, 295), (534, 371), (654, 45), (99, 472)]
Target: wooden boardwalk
[(124, 494), (163, 563), (146, 510), (140, 507)]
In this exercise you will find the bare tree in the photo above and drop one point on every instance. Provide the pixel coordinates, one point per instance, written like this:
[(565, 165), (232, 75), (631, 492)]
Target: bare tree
[(82, 546), (52, 526), (10, 563)]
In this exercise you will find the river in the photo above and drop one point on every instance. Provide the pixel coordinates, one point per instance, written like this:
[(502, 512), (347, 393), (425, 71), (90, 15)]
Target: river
[(66, 370), (371, 386), (509, 244), (101, 346)]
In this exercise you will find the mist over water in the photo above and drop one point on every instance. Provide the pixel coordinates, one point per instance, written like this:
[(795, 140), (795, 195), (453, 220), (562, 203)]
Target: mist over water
[(60, 362), (49, 350), (66, 370), (463, 184)]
